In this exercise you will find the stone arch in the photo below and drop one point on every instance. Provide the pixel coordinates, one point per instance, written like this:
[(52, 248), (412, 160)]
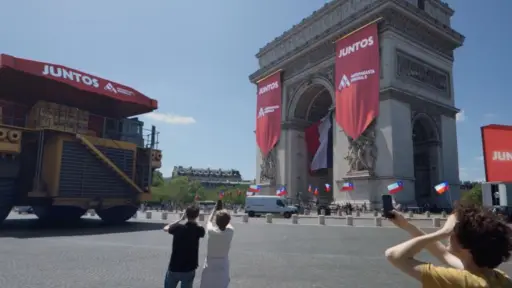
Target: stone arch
[(313, 90), (426, 149), (428, 127), (309, 103)]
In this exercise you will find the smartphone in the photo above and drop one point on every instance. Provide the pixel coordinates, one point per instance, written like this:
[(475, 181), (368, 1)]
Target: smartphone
[(219, 205), (387, 206)]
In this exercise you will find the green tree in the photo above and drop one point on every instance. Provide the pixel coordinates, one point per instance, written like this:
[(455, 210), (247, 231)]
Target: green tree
[(473, 196), (158, 179)]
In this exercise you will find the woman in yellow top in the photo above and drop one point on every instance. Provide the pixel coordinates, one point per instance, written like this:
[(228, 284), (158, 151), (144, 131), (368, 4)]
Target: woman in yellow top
[(479, 243)]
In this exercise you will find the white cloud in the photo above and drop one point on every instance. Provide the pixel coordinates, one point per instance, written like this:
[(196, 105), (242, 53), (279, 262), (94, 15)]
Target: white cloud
[(461, 116), (170, 118)]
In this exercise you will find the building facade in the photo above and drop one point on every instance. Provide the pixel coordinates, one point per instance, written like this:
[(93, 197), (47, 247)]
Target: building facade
[(210, 177), (414, 137)]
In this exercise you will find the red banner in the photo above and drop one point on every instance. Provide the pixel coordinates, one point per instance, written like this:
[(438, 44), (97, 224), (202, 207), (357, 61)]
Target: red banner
[(268, 113), (497, 146), (357, 70), (77, 79)]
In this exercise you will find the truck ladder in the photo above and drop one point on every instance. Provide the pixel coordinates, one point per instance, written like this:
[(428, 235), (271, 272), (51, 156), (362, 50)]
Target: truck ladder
[(107, 161)]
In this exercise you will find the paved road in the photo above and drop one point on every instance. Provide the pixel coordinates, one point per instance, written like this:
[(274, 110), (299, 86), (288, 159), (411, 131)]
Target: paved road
[(136, 255)]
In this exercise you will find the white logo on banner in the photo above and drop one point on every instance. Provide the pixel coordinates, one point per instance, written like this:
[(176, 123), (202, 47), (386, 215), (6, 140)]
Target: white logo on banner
[(266, 110), (344, 82), (358, 76), (110, 87)]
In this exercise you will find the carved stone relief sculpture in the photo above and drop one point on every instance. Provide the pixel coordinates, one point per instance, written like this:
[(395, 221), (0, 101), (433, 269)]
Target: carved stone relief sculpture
[(418, 70), (268, 168), (362, 153)]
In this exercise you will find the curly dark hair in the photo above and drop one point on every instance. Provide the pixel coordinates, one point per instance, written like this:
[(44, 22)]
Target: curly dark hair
[(487, 237)]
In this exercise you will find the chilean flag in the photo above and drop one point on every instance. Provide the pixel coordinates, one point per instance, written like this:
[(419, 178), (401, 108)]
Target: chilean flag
[(221, 195), (281, 192), (327, 187), (396, 187), (310, 189), (319, 143), (249, 193), (442, 187), (316, 192), (347, 186), (254, 188)]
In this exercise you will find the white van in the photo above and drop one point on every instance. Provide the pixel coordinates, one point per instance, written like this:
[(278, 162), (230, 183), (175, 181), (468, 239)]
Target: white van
[(262, 204)]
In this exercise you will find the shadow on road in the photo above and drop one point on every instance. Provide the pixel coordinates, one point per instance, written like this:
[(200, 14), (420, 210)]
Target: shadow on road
[(33, 228)]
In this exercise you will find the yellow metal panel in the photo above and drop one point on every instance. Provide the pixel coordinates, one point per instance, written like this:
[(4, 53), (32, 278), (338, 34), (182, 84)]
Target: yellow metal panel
[(51, 165), (110, 143), (108, 162), (10, 140), (156, 158), (145, 197)]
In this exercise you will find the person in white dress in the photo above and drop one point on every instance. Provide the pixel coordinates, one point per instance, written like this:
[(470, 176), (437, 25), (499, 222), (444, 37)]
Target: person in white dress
[(216, 266)]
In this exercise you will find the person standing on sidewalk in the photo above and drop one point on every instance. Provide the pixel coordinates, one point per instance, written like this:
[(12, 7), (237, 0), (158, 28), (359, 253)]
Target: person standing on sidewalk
[(185, 249), (220, 233)]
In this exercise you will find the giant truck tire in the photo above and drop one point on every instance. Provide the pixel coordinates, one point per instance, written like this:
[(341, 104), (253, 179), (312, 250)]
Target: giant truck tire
[(117, 214), (59, 213), (7, 195)]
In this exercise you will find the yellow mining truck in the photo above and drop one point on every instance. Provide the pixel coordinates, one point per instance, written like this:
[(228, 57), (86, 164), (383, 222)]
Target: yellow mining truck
[(69, 143)]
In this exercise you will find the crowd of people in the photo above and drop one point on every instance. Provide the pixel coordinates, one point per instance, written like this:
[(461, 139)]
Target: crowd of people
[(479, 242)]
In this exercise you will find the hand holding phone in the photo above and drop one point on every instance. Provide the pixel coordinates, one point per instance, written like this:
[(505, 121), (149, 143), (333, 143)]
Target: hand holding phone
[(387, 206)]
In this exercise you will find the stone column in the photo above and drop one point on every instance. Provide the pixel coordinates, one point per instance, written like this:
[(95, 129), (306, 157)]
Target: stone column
[(450, 160), (296, 173)]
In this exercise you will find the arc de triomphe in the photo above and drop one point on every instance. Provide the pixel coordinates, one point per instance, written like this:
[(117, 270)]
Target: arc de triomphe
[(414, 136)]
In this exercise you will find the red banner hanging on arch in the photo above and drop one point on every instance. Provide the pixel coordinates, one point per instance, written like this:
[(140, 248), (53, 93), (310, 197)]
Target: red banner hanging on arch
[(268, 113), (357, 70)]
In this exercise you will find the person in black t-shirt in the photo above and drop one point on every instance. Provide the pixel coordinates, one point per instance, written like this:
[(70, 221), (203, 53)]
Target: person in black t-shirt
[(185, 249)]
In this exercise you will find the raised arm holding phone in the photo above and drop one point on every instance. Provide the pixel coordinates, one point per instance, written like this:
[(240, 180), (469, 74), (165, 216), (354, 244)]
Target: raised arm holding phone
[(185, 249), (220, 234), (478, 243)]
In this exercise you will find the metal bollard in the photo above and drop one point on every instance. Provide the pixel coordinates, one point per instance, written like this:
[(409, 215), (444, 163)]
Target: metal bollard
[(148, 215), (427, 214), (295, 219), (245, 218), (269, 218), (164, 215), (378, 222), (322, 212), (411, 214), (375, 213), (350, 221), (201, 217), (321, 220), (358, 213), (443, 214), (436, 222)]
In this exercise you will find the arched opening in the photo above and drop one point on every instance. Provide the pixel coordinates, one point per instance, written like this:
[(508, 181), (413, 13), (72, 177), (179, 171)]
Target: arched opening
[(314, 105), (426, 154)]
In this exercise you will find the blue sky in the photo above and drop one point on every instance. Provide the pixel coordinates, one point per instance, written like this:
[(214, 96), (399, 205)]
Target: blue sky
[(195, 58)]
